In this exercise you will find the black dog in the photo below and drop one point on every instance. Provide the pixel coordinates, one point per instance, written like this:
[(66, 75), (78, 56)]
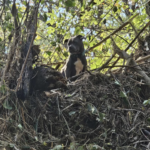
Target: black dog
[(76, 63)]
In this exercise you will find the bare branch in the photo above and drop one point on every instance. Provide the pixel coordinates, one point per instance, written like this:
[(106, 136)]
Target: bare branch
[(131, 62), (122, 26), (133, 40)]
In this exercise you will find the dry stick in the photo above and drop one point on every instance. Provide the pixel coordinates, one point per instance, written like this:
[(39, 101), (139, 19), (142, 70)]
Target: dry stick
[(126, 23), (133, 41), (131, 62), (143, 58), (22, 70)]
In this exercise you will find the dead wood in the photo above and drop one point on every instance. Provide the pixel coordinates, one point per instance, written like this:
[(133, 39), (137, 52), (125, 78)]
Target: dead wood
[(89, 107), (133, 41), (131, 62)]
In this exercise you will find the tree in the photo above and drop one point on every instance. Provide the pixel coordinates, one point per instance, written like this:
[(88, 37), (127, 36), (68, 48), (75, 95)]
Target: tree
[(116, 31), (61, 19)]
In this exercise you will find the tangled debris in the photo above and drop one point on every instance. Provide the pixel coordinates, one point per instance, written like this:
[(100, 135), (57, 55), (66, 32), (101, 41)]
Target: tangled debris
[(95, 112)]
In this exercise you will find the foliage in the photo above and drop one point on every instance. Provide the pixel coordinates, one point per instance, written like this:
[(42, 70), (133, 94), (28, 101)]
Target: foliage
[(61, 19), (146, 102)]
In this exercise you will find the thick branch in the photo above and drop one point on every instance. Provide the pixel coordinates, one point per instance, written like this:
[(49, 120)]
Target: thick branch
[(143, 59), (131, 62), (133, 40)]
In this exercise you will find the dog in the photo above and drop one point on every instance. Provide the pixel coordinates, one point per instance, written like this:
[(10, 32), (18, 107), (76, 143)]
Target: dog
[(76, 63)]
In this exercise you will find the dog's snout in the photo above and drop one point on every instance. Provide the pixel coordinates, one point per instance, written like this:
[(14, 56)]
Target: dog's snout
[(72, 49)]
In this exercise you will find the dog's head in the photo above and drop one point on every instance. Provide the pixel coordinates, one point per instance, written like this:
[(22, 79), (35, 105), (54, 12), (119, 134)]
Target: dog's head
[(75, 44)]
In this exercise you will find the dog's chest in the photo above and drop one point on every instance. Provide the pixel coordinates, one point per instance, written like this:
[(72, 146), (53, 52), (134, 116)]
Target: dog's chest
[(78, 66)]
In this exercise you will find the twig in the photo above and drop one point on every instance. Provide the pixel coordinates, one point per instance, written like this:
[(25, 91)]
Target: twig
[(122, 26), (3, 98), (130, 61), (133, 41), (142, 141), (66, 124), (134, 127), (60, 113), (137, 36), (143, 58)]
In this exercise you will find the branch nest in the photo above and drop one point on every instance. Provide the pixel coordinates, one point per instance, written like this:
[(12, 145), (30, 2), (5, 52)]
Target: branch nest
[(94, 109)]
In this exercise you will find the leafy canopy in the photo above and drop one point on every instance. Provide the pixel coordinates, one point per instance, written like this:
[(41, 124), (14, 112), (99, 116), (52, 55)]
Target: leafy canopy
[(61, 19)]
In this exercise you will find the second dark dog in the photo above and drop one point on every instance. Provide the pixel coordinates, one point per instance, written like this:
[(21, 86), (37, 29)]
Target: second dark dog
[(76, 63)]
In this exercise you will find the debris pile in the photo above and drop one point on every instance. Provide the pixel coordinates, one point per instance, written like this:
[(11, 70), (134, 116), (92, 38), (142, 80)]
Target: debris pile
[(95, 112)]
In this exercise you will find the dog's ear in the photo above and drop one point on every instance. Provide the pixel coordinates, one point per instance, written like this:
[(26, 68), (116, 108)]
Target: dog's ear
[(66, 41), (80, 37)]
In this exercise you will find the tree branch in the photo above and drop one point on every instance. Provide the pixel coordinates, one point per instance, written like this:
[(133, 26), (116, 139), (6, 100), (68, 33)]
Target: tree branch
[(131, 62), (133, 40), (106, 38)]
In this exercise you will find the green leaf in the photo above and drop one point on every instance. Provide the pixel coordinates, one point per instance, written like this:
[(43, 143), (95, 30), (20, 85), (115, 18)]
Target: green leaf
[(73, 145), (19, 15), (91, 108), (42, 2), (6, 8), (146, 102), (123, 94), (124, 99), (95, 111), (101, 117), (3, 89), (50, 30), (45, 17), (10, 27), (24, 3), (11, 145), (65, 54), (72, 113), (83, 4), (117, 82), (130, 10), (94, 147), (58, 147), (8, 16), (69, 3), (58, 49), (48, 53), (20, 126), (36, 138), (80, 148), (53, 43), (77, 30), (6, 105)]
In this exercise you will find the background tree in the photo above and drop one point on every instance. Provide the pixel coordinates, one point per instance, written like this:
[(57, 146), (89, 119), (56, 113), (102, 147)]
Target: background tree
[(117, 35), (61, 19)]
